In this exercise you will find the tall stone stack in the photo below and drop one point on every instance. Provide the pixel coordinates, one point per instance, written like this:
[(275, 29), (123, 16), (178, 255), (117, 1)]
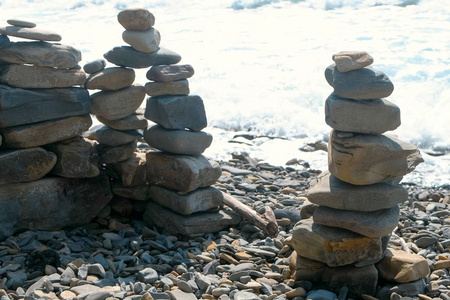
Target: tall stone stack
[(43, 113), (357, 200)]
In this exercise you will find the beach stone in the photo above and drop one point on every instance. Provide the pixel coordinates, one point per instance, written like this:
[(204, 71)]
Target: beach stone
[(178, 294), (111, 137), (143, 40), (51, 203), (334, 246), (367, 159), (31, 77), (329, 74), (131, 122), (94, 66), (110, 79), (181, 172), (139, 192), (183, 142), (409, 289), (322, 295), (115, 105), (362, 84), (21, 23), (169, 73), (352, 60), (402, 267), (177, 112), (25, 164), (115, 154), (77, 158), (202, 199), (374, 116), (178, 87), (332, 192), (4, 41), (126, 56), (23, 106), (205, 222), (42, 133), (370, 224), (243, 295), (132, 171), (41, 54), (136, 19), (30, 33)]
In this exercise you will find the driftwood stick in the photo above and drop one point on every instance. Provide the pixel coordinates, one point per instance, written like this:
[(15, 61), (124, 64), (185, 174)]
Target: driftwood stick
[(266, 223)]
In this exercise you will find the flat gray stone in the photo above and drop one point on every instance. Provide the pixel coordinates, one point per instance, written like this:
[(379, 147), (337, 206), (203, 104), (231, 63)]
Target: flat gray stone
[(114, 154), (169, 73), (94, 66), (21, 23), (111, 137), (110, 79), (143, 40), (352, 60), (131, 122), (30, 33), (178, 87), (136, 19), (126, 56), (178, 294)]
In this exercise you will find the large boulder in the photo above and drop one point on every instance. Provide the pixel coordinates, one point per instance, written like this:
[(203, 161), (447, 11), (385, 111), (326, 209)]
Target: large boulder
[(126, 56)]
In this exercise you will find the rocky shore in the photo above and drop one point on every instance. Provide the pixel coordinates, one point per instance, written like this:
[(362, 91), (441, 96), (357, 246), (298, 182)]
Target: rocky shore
[(126, 258)]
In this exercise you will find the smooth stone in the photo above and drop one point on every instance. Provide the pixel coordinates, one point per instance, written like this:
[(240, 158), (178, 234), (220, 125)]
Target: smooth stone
[(181, 172), (32, 77), (370, 224), (43, 133), (110, 79), (41, 54), (362, 84), (426, 241), (243, 295), (169, 73), (126, 56), (115, 154), (51, 203), (136, 19), (352, 60), (202, 199), (139, 193), (410, 289), (115, 105), (367, 159), (131, 122), (147, 275), (183, 142), (322, 295), (23, 106), (402, 267), (94, 66), (178, 87), (374, 116), (77, 158), (4, 41), (332, 192), (204, 222), (25, 164), (132, 171), (143, 40), (178, 294), (177, 112), (111, 137), (21, 23), (30, 33), (85, 289), (334, 246)]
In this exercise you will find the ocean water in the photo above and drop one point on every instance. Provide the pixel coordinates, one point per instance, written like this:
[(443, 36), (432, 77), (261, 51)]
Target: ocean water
[(259, 64)]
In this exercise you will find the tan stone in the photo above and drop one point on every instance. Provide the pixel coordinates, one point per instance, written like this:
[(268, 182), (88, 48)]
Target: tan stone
[(352, 60), (111, 79), (402, 267), (178, 87), (136, 19), (144, 41), (132, 171), (30, 33)]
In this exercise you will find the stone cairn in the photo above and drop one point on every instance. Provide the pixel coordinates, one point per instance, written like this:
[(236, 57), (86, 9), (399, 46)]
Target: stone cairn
[(354, 206)]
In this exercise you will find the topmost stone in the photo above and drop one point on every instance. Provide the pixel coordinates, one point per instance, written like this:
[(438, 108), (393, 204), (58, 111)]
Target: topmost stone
[(136, 19), (21, 23), (30, 33), (352, 60)]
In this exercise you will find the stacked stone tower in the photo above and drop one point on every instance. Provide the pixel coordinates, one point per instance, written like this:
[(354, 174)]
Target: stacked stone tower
[(357, 200)]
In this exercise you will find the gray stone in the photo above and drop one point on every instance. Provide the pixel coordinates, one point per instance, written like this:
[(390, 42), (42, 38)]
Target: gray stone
[(136, 19), (169, 73), (332, 192), (322, 295), (110, 79), (177, 112), (184, 142), (115, 154), (147, 275), (30, 33), (133, 170), (94, 66), (32, 77), (143, 40), (100, 295), (114, 105), (22, 106), (41, 54), (367, 159), (4, 41), (204, 222), (178, 294), (131, 122), (42, 133), (178, 87), (126, 56), (352, 60), (410, 289), (181, 173), (373, 116), (112, 137), (25, 164), (51, 203), (243, 295), (21, 23), (202, 199)]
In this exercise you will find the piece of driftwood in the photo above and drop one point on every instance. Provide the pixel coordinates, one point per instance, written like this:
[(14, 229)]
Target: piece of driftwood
[(266, 222)]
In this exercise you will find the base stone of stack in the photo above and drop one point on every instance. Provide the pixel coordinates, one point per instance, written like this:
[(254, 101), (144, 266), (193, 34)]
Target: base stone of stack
[(110, 79), (178, 87), (198, 223), (364, 159), (126, 56), (115, 154), (131, 122), (132, 171), (51, 203), (112, 137)]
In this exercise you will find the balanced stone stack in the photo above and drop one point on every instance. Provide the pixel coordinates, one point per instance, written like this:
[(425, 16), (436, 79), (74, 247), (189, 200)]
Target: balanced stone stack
[(42, 117), (356, 202)]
